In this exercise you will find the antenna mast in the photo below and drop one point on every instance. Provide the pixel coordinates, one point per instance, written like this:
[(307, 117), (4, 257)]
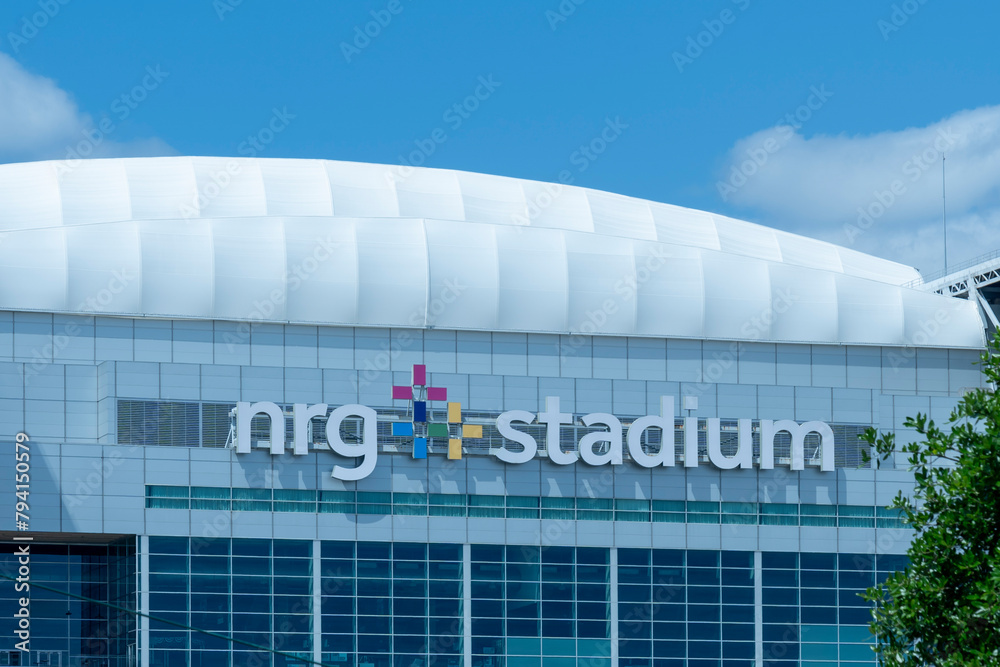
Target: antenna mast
[(944, 215)]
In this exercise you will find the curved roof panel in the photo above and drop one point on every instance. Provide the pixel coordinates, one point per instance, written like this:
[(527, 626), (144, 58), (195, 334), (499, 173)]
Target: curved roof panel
[(340, 243)]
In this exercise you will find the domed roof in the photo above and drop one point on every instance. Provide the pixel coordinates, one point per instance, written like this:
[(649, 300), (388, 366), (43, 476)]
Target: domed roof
[(341, 243)]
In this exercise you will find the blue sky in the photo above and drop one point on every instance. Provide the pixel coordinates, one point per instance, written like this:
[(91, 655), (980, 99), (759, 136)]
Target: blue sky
[(694, 90)]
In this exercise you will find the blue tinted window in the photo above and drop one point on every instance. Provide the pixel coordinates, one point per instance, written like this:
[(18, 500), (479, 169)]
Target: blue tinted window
[(408, 551), (379, 551), (736, 595), (292, 548), (487, 552), (779, 560), (818, 561), (522, 554), (855, 562), (168, 545), (787, 596), (671, 557), (633, 574), (850, 579), (737, 559), (731, 577), (891, 563), (558, 555), (481, 608), (703, 612), (703, 558), (703, 576), (337, 549), (444, 552), (704, 649), (592, 556), (703, 594)]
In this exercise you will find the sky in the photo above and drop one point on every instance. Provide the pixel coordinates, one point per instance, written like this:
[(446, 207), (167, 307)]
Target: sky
[(824, 119)]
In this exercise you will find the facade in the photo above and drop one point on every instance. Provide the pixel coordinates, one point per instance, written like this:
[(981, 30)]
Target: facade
[(377, 416)]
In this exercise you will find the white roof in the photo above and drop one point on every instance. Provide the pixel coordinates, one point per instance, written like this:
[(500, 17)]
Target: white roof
[(341, 243)]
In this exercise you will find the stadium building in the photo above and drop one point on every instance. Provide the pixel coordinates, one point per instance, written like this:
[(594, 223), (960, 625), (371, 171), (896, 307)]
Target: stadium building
[(377, 416)]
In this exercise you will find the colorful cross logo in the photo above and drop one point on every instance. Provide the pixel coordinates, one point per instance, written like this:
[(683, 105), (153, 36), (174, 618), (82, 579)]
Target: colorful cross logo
[(419, 395)]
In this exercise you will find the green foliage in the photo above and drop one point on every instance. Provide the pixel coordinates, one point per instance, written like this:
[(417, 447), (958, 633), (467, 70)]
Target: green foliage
[(944, 609)]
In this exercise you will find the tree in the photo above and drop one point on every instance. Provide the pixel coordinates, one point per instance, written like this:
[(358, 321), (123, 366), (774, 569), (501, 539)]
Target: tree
[(944, 608)]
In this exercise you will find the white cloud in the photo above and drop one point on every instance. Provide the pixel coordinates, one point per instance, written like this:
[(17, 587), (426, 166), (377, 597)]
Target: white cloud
[(878, 193), (40, 121)]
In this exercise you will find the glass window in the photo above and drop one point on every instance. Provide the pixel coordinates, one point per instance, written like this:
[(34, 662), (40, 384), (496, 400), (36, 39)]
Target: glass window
[(374, 568), (592, 573), (703, 576), (167, 492), (734, 577), (818, 561), (374, 587), (487, 571), (593, 610), (633, 557), (737, 595), (703, 594), (561, 609), (854, 516), (486, 506), (557, 628), (444, 589), (409, 569), (168, 545), (782, 614), (558, 508), (487, 589), (704, 631), (592, 556), (780, 578), (594, 509), (628, 574), (592, 592), (819, 596), (444, 570), (560, 591), (374, 502), (892, 563), (523, 590), (819, 614), (451, 552), (523, 571), (330, 567), (704, 612), (737, 613), (210, 564), (702, 558), (487, 552), (251, 547), (522, 608), (157, 563), (855, 562), (409, 588), (771, 560), (850, 579), (786, 596), (450, 608), (558, 555), (168, 582), (635, 593), (292, 566)]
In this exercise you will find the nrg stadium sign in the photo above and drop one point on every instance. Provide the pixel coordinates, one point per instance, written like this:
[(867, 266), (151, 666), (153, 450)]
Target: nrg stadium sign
[(613, 441), (596, 448)]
